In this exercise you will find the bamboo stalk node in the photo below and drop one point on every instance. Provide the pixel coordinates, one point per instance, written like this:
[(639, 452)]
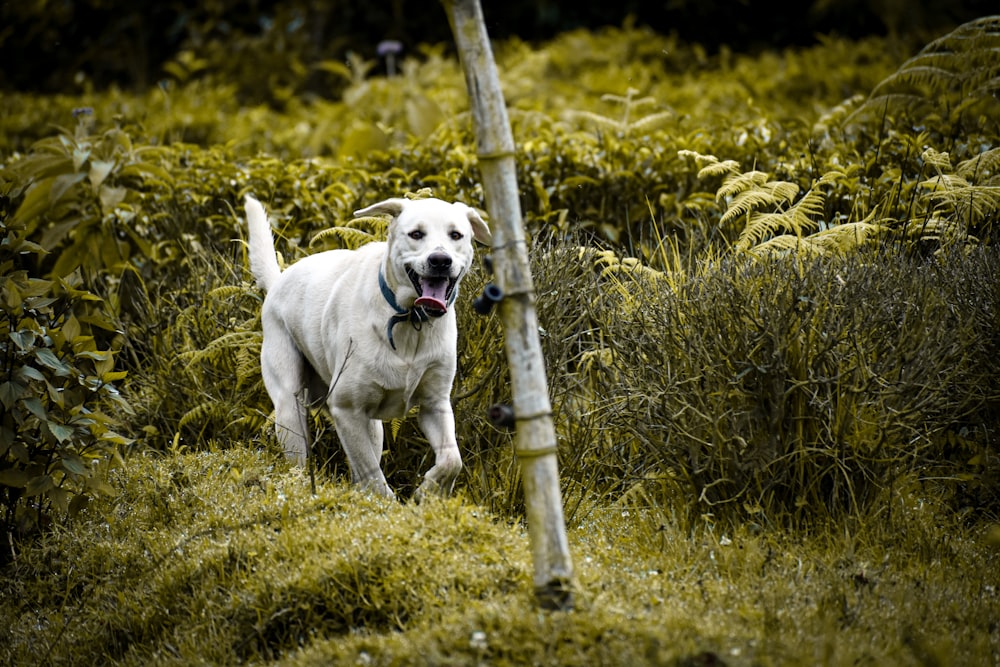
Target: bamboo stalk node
[(495, 155), (534, 453)]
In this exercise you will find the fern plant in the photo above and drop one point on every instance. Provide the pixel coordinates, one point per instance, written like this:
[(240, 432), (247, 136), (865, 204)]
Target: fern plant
[(626, 125), (952, 83), (775, 221), (962, 201)]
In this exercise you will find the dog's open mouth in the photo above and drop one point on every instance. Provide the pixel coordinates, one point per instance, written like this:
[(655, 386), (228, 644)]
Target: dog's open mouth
[(433, 292)]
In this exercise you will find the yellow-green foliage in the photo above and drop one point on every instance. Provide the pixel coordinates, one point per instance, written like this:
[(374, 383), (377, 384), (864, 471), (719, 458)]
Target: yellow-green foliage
[(224, 558), (767, 300), (618, 133)]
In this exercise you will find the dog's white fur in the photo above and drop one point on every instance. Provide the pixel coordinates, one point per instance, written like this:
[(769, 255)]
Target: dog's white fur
[(327, 328)]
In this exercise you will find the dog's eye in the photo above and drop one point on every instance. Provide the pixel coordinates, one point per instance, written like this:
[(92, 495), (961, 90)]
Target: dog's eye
[(417, 234), (456, 236)]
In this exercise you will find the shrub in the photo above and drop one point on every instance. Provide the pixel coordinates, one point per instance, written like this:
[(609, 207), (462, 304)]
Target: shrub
[(789, 387), (56, 440)]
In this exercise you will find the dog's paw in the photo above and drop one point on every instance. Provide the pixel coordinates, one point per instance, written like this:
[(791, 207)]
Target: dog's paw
[(431, 489)]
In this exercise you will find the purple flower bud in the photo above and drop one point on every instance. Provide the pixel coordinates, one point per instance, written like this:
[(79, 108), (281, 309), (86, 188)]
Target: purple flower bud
[(389, 47)]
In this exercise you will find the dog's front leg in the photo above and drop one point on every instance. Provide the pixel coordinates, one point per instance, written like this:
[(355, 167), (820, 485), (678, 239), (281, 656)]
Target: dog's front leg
[(362, 440), (438, 424)]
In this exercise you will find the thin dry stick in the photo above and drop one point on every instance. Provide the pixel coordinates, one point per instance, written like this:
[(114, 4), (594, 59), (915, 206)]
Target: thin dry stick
[(303, 398)]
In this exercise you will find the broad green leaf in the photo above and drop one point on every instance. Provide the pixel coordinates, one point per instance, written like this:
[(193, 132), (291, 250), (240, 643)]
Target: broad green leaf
[(79, 502), (39, 485), (10, 391), (62, 185), (24, 339), (36, 408), (48, 358), (62, 433), (80, 156), (74, 464), (36, 287), (11, 298), (59, 498), (71, 328), (96, 355), (6, 440), (57, 395), (114, 376), (30, 373), (14, 477), (99, 170), (56, 234), (112, 197), (148, 169), (39, 302), (35, 202), (20, 452)]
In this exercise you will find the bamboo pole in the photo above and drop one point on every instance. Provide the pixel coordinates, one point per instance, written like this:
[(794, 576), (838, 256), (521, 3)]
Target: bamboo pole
[(535, 441)]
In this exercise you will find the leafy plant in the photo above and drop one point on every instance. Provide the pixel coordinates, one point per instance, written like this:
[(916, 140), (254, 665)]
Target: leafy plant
[(80, 195), (950, 85), (56, 440)]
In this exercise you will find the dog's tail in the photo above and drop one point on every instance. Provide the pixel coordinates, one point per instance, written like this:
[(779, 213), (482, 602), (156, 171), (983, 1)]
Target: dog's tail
[(263, 261)]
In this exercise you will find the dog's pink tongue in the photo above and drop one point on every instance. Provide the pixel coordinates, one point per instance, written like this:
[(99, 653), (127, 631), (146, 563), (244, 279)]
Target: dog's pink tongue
[(434, 295)]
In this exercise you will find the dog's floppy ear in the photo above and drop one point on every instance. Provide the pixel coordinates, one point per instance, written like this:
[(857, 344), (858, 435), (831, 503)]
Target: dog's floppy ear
[(393, 207), (480, 231)]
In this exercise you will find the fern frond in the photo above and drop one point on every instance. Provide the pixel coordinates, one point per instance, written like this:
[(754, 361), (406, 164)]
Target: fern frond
[(941, 161), (709, 165), (786, 244), (797, 220), (980, 202), (921, 79), (247, 366), (651, 122), (376, 225), (344, 237), (984, 165), (772, 193), (422, 193), (724, 168), (804, 209), (759, 228), (876, 105), (945, 183), (227, 292), (840, 239), (594, 119), (846, 237), (202, 413), (940, 229), (738, 183), (212, 351), (955, 70)]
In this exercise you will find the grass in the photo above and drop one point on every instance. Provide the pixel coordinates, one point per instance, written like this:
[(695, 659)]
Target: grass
[(227, 557)]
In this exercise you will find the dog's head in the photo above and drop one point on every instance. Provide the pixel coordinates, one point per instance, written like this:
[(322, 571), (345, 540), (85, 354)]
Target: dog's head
[(429, 249)]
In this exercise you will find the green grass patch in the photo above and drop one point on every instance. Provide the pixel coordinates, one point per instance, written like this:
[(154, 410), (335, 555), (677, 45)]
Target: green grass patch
[(227, 557)]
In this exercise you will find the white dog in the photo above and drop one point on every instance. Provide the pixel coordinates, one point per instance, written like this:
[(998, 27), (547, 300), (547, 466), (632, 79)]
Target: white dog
[(371, 331)]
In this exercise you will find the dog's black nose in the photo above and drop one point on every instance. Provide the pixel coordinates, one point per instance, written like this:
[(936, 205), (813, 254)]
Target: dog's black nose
[(439, 261)]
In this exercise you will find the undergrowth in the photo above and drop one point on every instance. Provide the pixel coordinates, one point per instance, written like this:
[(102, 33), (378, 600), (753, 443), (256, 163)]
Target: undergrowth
[(228, 557), (767, 298)]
